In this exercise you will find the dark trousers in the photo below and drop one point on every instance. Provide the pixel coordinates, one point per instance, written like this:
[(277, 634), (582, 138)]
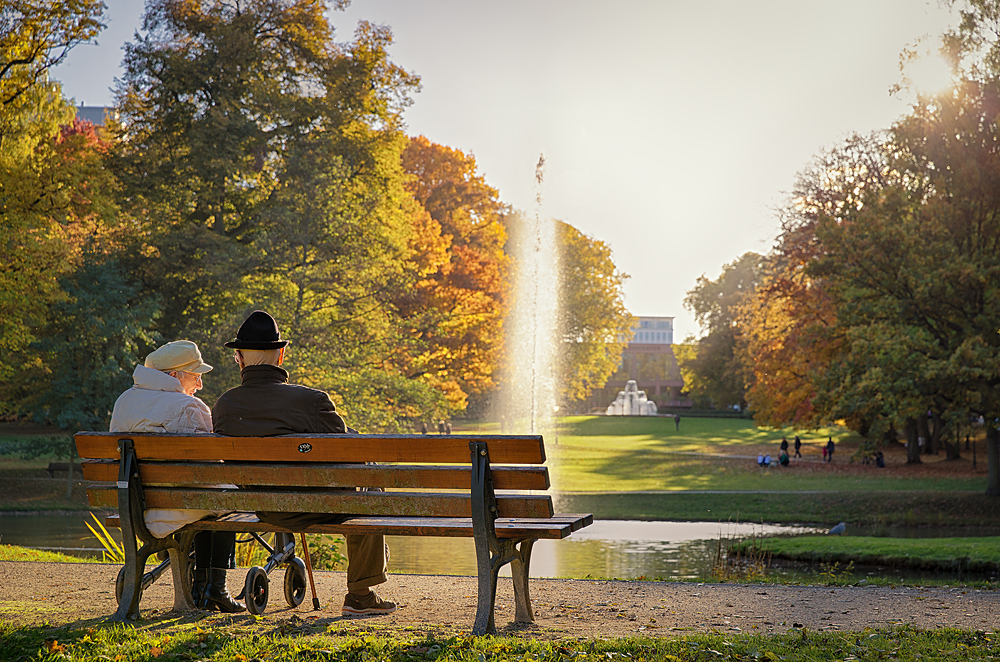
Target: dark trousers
[(214, 549), (367, 556)]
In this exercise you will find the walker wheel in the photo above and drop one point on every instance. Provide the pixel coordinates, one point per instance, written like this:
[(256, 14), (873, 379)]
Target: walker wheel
[(255, 590), (295, 582)]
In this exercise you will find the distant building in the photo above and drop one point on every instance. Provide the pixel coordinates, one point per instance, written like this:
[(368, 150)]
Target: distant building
[(96, 114), (648, 360)]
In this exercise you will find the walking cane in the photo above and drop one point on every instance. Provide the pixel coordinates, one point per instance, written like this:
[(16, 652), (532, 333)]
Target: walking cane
[(309, 569)]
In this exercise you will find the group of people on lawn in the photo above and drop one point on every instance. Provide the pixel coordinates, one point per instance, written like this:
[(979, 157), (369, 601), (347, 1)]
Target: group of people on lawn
[(264, 404), (764, 459)]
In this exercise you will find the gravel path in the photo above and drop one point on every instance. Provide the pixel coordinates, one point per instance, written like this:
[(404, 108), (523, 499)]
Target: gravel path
[(83, 595)]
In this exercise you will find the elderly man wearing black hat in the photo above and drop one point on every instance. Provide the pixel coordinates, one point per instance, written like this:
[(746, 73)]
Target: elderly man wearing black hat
[(265, 404)]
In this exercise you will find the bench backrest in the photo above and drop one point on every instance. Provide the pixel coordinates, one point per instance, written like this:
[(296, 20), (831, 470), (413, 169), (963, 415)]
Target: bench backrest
[(425, 475)]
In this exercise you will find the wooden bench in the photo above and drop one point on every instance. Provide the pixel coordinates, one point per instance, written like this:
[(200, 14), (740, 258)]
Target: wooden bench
[(61, 466), (484, 487)]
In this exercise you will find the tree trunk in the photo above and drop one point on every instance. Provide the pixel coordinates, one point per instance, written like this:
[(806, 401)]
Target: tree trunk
[(992, 460), (912, 449), (937, 429)]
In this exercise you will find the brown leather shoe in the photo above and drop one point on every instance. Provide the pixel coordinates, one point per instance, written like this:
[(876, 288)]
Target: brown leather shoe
[(355, 605)]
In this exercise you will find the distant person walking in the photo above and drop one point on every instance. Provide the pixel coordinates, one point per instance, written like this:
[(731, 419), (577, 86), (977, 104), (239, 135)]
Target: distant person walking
[(441, 426), (423, 427), (798, 446), (784, 445), (677, 422), (829, 450)]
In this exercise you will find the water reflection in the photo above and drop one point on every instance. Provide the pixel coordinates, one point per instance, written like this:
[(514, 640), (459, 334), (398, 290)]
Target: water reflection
[(608, 548)]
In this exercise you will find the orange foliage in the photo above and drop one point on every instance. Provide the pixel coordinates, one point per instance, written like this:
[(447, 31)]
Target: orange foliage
[(454, 312)]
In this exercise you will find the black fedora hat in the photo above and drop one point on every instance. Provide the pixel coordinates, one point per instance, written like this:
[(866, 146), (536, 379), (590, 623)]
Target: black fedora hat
[(259, 331)]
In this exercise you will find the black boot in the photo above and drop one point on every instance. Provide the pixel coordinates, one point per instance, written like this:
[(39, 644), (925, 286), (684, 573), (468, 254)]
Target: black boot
[(198, 588), (217, 595)]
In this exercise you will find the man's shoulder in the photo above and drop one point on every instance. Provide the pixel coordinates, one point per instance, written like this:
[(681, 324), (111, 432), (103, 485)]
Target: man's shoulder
[(283, 390)]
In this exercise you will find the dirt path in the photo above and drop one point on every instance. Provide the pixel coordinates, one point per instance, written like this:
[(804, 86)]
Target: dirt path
[(83, 595)]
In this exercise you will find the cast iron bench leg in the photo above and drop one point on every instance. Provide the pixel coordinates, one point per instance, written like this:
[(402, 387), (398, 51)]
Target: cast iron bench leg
[(180, 560), (519, 573)]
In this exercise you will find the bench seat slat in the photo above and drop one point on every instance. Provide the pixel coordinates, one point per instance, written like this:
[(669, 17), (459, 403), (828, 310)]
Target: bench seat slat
[(555, 528), (391, 476), (356, 503), (508, 449)]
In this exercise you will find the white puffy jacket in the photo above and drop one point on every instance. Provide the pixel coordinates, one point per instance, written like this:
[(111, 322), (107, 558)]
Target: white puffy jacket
[(158, 403)]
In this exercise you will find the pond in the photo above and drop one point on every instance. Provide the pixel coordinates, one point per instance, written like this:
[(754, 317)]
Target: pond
[(608, 548)]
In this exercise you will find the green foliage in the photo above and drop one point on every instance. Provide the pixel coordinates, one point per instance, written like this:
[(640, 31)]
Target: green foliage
[(326, 552), (29, 448), (35, 36), (713, 374), (113, 551), (92, 344), (596, 326), (263, 162)]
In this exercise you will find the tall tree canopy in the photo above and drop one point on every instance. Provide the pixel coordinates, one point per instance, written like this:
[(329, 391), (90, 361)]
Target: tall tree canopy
[(595, 327), (454, 311), (36, 35), (262, 160), (56, 199), (881, 304), (714, 374)]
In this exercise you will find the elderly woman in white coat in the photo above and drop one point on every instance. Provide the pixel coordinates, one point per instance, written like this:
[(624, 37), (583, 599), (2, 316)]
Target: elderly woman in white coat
[(162, 400)]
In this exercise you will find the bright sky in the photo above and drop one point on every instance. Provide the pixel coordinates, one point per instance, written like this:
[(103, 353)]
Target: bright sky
[(671, 129)]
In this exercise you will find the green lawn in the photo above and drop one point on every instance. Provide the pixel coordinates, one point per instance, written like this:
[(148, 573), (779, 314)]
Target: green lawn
[(216, 639), (952, 554), (608, 454), (874, 509), (16, 553)]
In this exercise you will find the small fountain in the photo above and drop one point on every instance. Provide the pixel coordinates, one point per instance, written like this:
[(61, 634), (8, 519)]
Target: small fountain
[(632, 402), (532, 328)]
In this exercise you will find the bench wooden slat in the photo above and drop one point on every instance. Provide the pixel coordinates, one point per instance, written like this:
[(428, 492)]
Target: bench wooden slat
[(356, 503), (509, 449), (555, 528), (322, 475)]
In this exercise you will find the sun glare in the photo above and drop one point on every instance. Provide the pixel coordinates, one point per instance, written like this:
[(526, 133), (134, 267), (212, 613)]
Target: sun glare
[(929, 75)]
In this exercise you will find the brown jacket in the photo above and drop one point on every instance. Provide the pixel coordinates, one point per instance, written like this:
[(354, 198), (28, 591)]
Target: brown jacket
[(265, 405)]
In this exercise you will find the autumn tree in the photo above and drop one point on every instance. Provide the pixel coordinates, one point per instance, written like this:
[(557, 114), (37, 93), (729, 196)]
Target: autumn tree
[(35, 36), (787, 334), (453, 311), (717, 376), (44, 171), (262, 160), (56, 199)]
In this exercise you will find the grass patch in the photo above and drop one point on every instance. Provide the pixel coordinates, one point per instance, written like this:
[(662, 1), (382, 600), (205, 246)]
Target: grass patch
[(241, 644), (16, 553), (944, 554), (628, 454), (883, 509)]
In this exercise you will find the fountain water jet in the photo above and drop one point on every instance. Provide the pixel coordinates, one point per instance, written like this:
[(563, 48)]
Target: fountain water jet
[(529, 398)]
